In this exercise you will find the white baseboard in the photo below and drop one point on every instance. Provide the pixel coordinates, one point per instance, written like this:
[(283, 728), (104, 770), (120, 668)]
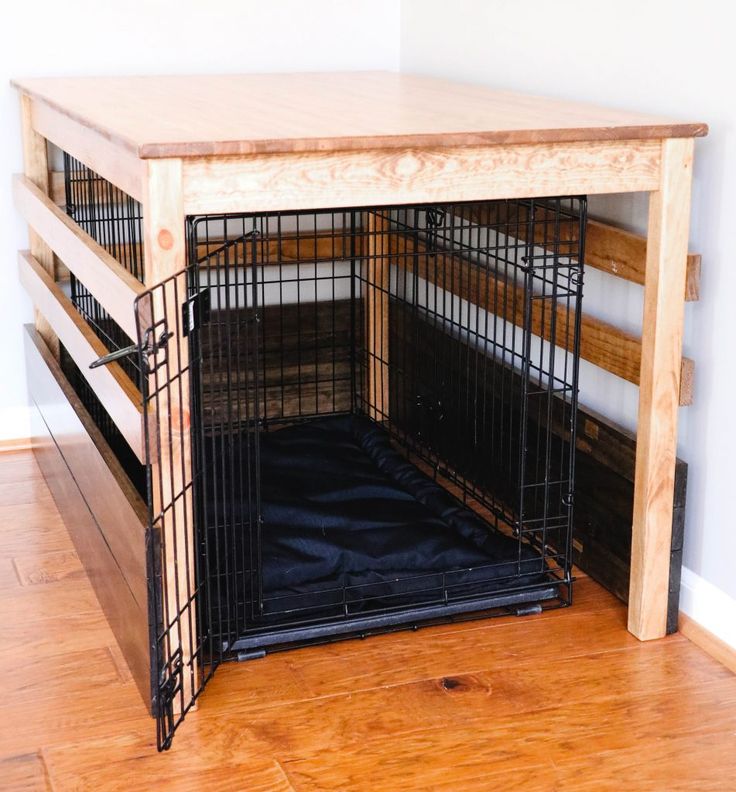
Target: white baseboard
[(710, 607)]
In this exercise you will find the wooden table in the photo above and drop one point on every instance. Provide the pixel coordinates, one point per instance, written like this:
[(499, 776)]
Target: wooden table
[(190, 145)]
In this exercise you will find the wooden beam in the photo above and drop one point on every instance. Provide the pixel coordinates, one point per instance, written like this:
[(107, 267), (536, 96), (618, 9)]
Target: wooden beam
[(57, 189), (113, 162), (110, 283), (169, 422), (607, 248), (669, 218), (317, 180), (624, 255), (601, 343), (112, 386)]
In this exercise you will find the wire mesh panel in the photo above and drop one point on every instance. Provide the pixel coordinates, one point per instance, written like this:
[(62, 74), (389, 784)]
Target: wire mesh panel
[(227, 421), (184, 656), (449, 330), (115, 221), (483, 356)]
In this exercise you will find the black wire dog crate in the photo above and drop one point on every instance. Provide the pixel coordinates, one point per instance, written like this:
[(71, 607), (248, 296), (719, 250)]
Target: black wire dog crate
[(376, 407)]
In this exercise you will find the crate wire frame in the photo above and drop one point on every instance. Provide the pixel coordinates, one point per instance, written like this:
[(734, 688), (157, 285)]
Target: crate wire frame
[(454, 326), (115, 221), (184, 655), (347, 302)]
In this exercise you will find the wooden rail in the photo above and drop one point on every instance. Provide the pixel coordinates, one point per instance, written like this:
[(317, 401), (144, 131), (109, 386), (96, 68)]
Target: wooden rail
[(110, 283), (607, 248), (601, 343), (119, 396)]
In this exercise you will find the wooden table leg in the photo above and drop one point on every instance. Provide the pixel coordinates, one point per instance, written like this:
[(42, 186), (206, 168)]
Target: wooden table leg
[(36, 168), (169, 414), (669, 216)]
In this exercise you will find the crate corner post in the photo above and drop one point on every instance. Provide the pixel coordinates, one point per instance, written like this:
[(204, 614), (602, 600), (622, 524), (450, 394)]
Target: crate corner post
[(168, 421), (659, 392)]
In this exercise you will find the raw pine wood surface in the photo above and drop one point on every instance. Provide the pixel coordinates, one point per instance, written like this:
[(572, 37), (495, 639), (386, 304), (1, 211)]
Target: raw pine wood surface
[(113, 286), (567, 700), (113, 162), (112, 385), (184, 116), (656, 448), (170, 454), (383, 177), (375, 273)]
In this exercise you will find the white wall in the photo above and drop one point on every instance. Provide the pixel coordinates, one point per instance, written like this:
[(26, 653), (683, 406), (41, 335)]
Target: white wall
[(674, 57), (86, 37)]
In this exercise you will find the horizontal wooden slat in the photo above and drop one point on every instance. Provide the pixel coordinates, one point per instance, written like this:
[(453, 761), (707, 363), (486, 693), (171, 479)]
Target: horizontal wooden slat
[(113, 387), (607, 248), (111, 284), (601, 343), (291, 248), (621, 253)]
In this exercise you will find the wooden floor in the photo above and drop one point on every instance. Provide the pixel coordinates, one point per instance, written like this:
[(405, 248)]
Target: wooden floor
[(564, 701)]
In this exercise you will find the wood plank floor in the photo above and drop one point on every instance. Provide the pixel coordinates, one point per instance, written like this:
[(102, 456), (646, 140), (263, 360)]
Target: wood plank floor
[(563, 701)]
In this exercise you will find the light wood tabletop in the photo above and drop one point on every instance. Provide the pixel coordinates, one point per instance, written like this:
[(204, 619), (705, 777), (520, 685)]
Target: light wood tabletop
[(184, 146), (194, 116)]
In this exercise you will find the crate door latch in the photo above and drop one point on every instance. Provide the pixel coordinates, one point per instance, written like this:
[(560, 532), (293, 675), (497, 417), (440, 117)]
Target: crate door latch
[(149, 347), (194, 312)]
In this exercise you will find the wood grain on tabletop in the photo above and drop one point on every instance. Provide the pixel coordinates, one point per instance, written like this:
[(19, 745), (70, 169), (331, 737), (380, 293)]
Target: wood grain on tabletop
[(205, 115)]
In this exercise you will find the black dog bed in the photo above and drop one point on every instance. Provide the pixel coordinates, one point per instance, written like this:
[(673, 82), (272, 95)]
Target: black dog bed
[(347, 520)]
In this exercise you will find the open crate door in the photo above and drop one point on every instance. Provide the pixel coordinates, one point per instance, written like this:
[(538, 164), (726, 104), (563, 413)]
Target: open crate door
[(183, 655)]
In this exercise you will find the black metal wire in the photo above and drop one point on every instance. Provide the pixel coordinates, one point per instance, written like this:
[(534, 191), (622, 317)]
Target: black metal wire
[(477, 309), (115, 221)]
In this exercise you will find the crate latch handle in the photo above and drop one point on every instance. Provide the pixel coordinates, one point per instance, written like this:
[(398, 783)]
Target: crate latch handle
[(149, 347)]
